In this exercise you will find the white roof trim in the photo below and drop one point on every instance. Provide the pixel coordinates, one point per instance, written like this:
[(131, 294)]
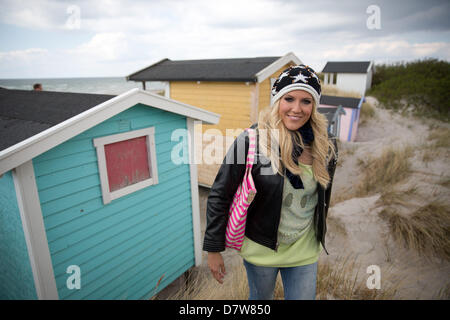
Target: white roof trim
[(369, 67), (26, 150), (274, 66)]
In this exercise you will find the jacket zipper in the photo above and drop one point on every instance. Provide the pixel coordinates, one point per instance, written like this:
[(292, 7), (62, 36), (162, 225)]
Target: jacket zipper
[(323, 217)]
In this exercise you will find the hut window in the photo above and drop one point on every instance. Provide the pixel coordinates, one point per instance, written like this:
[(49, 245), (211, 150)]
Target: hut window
[(127, 162)]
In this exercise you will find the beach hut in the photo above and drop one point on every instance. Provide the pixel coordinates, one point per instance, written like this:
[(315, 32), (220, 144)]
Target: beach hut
[(346, 126), (334, 118), (237, 89), (98, 196), (353, 76)]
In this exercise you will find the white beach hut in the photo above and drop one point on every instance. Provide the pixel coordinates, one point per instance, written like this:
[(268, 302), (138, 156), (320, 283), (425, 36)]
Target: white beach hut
[(355, 76)]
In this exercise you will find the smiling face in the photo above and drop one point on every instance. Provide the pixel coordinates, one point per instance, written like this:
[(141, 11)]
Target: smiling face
[(295, 109)]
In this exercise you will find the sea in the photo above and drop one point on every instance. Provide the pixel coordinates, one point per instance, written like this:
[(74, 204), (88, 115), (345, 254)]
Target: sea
[(107, 85)]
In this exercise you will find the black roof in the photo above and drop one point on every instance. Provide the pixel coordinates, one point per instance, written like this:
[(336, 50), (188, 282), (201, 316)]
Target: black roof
[(239, 69), (347, 66), (25, 113), (329, 113), (345, 102)]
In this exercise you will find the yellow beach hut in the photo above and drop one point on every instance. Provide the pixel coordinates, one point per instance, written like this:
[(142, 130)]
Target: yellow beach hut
[(237, 89)]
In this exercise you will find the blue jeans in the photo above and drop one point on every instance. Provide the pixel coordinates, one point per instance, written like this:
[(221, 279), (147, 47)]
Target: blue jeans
[(299, 283)]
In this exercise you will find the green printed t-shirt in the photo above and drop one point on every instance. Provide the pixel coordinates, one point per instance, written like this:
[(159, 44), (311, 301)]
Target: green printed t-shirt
[(297, 246)]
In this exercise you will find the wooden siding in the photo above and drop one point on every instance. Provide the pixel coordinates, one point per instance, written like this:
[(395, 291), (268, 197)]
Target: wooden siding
[(232, 100), (125, 247), (265, 89), (16, 276)]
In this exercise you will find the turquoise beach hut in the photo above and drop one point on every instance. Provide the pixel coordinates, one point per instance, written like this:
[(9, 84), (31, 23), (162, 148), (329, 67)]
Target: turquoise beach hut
[(92, 203)]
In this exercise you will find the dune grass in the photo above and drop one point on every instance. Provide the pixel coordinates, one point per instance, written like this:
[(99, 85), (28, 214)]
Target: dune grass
[(367, 113), (341, 280), (439, 137), (443, 293), (426, 229), (336, 226), (421, 86), (391, 167), (445, 182), (398, 198), (337, 280), (438, 141), (378, 173), (202, 286)]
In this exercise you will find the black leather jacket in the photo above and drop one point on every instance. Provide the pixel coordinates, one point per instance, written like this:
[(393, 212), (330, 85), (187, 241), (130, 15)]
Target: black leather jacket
[(263, 215)]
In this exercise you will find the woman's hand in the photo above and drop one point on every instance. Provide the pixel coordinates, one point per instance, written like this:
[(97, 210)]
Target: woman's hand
[(216, 265)]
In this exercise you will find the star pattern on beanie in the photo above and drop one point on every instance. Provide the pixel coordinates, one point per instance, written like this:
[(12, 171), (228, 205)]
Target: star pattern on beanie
[(297, 74), (300, 77)]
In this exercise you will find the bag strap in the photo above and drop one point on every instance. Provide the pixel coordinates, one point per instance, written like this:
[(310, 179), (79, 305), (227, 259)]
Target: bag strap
[(252, 147)]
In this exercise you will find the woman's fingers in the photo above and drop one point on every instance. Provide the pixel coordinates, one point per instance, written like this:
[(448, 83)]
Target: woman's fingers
[(217, 266), (218, 272)]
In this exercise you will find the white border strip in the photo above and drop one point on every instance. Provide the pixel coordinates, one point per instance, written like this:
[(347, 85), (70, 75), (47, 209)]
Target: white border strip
[(34, 230), (196, 224)]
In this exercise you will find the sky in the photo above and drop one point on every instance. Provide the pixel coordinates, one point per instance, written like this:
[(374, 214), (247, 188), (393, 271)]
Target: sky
[(106, 38)]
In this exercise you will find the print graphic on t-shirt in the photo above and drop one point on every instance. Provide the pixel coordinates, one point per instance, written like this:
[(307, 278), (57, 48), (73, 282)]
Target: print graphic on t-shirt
[(288, 200), (303, 201)]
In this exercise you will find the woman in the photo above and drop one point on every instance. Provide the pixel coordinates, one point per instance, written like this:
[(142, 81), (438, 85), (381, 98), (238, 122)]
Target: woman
[(293, 173)]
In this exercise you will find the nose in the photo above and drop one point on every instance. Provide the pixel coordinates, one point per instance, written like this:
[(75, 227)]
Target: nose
[(297, 107)]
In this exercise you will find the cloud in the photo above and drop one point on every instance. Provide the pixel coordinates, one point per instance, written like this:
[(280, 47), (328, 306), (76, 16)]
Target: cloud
[(405, 17), (432, 48), (22, 63), (124, 36), (395, 49), (103, 46), (24, 55), (41, 14), (105, 54)]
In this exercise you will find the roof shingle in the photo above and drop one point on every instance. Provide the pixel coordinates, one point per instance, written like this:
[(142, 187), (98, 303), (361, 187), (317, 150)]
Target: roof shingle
[(346, 66), (25, 113), (345, 102), (239, 69)]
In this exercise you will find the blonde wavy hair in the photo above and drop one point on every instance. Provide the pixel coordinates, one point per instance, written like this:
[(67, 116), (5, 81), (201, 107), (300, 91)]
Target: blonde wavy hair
[(273, 133)]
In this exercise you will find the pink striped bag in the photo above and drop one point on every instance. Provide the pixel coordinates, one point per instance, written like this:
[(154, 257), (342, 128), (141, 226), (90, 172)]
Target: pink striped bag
[(234, 236)]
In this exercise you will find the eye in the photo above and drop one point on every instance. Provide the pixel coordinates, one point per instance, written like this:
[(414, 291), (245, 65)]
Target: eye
[(289, 99), (306, 101)]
